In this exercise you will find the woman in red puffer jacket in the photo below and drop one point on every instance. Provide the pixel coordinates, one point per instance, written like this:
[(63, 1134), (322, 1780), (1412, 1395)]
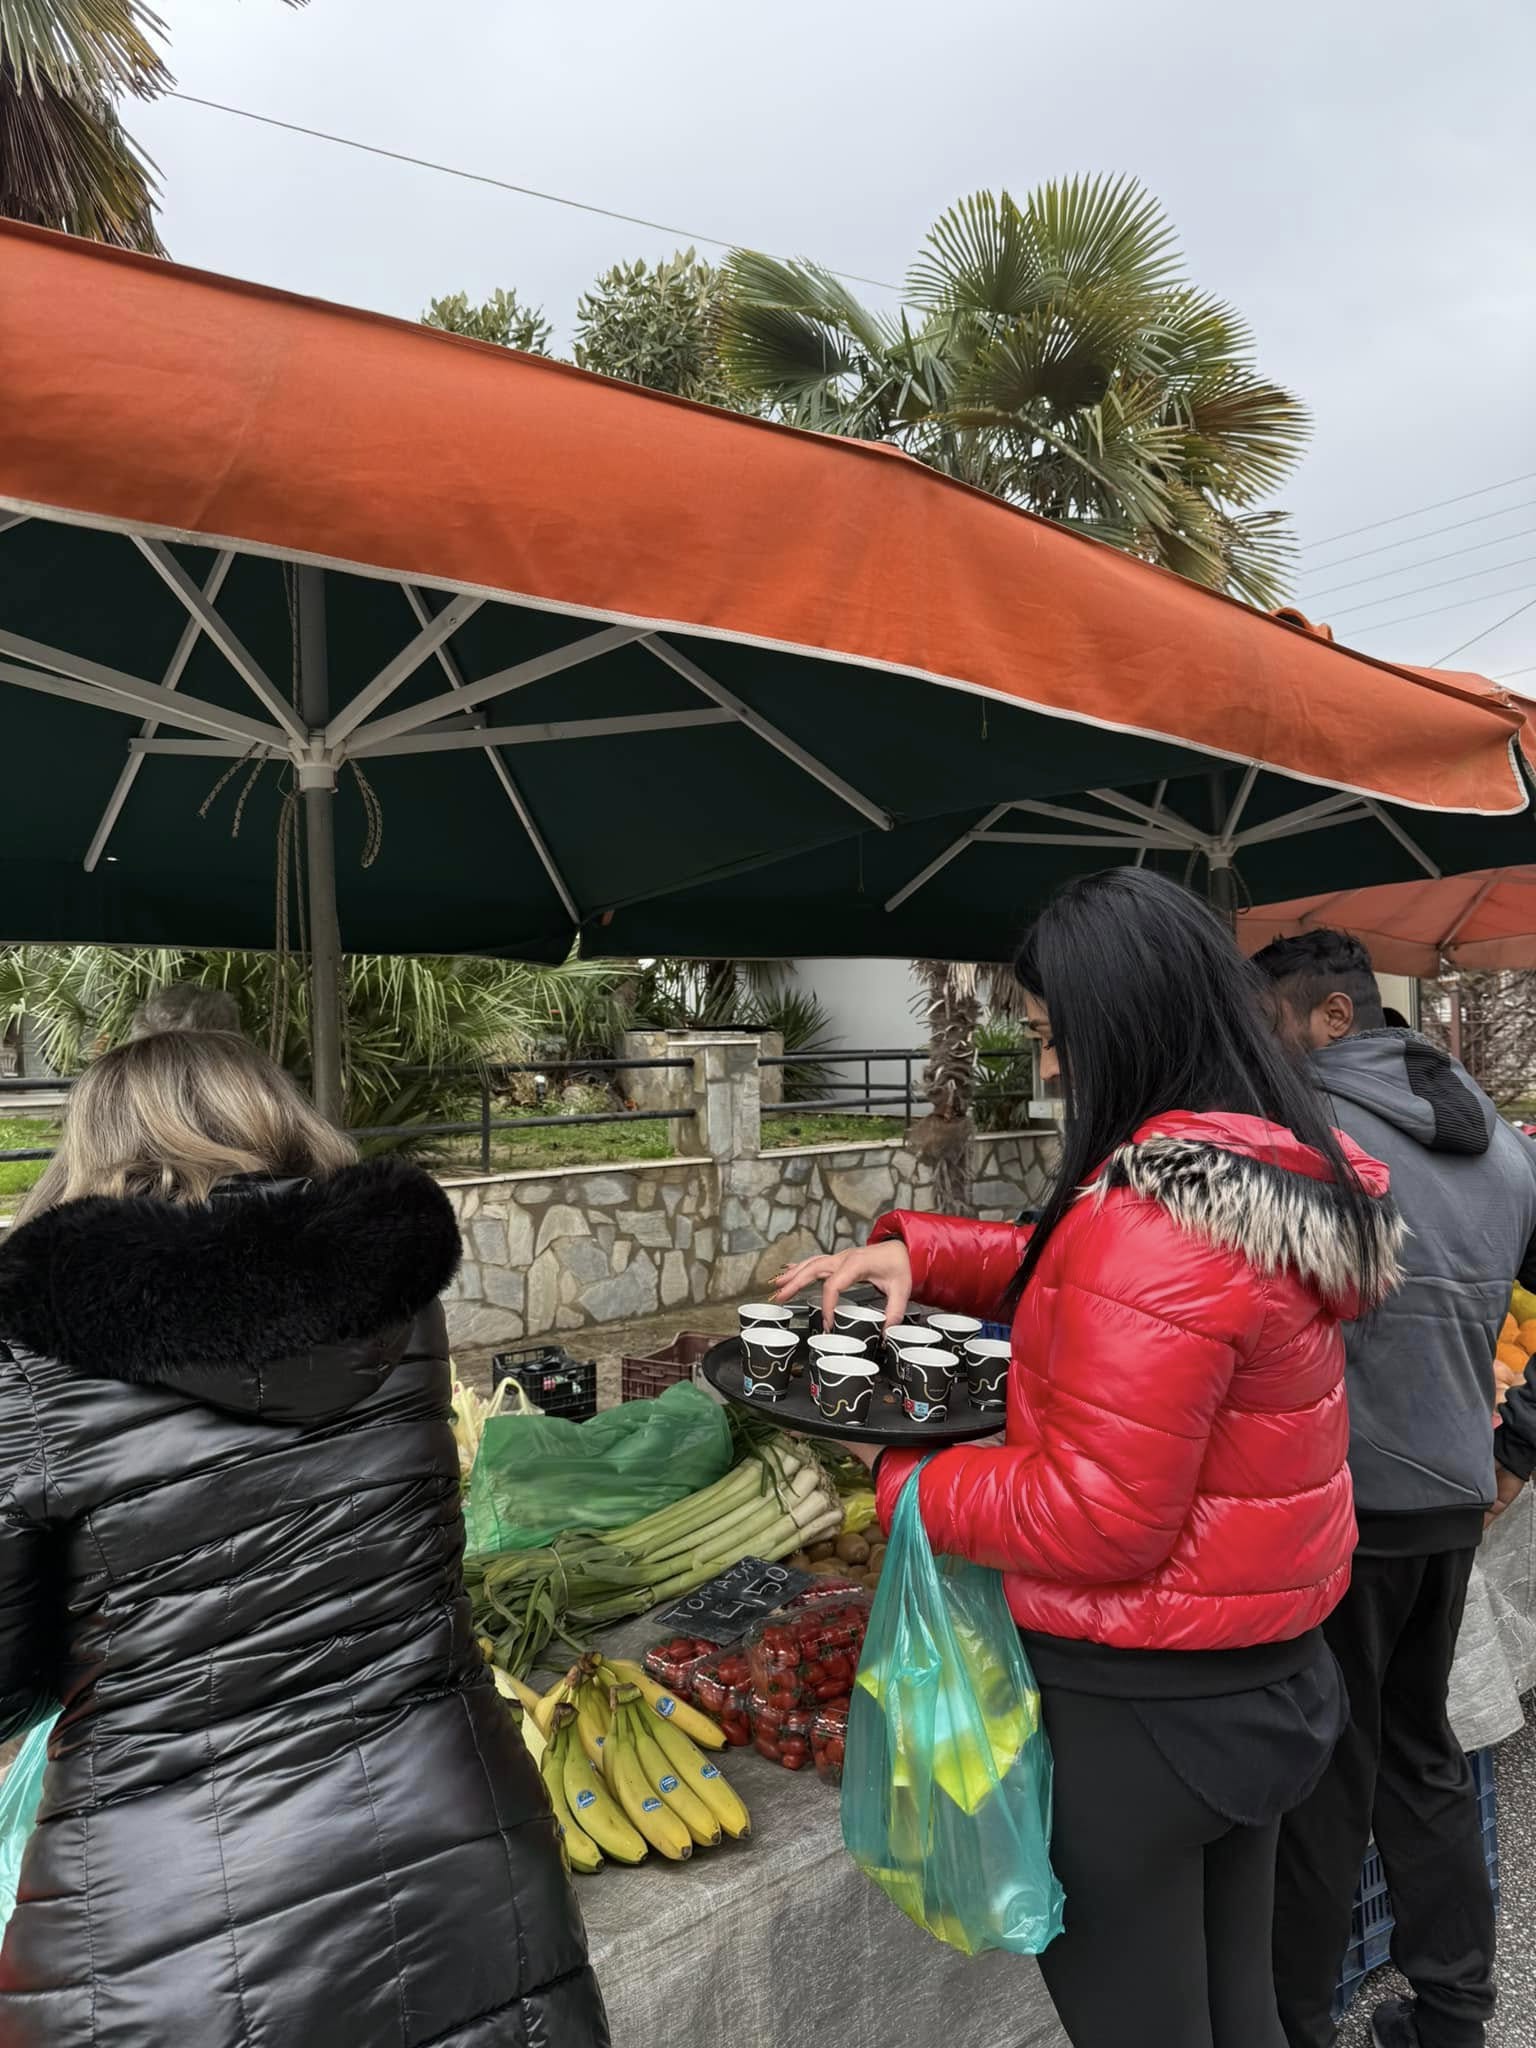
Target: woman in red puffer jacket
[(1171, 1510)]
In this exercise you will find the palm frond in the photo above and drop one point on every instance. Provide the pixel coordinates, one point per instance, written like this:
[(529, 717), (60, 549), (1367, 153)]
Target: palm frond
[(807, 289), (83, 48), (1056, 355), (66, 163), (979, 257), (1243, 435), (1092, 230)]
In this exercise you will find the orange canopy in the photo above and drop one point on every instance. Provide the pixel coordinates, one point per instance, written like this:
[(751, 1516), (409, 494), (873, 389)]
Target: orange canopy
[(1484, 919), (1476, 920), (181, 405)]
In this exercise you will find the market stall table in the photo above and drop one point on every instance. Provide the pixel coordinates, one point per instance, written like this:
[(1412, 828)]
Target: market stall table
[(780, 1939)]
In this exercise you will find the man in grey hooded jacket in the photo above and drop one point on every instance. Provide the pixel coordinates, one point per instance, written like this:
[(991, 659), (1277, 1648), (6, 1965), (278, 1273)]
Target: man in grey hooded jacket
[(1430, 1468)]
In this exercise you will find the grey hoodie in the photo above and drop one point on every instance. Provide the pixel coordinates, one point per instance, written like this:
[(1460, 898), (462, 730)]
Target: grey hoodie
[(1421, 1387)]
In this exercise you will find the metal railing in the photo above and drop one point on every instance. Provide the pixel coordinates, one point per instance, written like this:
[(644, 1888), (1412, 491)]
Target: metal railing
[(484, 1126), (872, 1095)]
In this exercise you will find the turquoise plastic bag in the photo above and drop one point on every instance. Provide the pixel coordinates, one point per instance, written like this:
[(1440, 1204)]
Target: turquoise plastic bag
[(21, 1794), (947, 1775)]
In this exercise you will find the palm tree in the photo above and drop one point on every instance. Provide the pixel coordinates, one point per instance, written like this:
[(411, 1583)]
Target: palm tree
[(65, 159), (414, 1026), (1055, 354), (951, 1007)]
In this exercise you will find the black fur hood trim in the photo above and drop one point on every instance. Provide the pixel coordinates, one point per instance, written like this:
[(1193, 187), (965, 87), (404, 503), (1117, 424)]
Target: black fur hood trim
[(1278, 1220), (134, 1289)]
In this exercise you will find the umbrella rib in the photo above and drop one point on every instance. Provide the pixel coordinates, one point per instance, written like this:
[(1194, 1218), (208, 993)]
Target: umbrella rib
[(109, 689), (590, 647), (1162, 836), (1406, 840), (170, 680), (447, 662), (1339, 809), (223, 636), (435, 632), (950, 853), (1179, 828), (1448, 938), (1240, 801), (534, 735), (766, 730), (217, 750), (1116, 843), (1157, 805)]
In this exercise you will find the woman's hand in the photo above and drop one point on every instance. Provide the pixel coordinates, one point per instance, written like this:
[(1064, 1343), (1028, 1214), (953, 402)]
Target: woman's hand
[(885, 1266)]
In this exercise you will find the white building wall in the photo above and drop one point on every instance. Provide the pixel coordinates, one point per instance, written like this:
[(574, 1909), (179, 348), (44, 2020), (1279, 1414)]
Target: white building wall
[(874, 1002)]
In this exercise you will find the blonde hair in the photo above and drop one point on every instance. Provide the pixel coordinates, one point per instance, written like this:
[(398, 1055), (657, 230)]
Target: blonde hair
[(174, 1114)]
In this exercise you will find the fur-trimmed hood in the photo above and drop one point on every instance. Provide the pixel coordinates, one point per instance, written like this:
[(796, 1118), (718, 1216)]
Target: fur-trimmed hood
[(283, 1298), (1253, 1187)]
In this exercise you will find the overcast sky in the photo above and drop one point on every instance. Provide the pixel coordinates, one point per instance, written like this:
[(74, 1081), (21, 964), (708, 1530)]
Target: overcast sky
[(1357, 176)]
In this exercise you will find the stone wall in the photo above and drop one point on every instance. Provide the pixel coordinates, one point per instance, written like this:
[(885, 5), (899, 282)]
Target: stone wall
[(549, 1253)]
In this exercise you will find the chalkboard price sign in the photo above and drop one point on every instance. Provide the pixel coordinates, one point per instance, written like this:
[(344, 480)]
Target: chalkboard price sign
[(725, 1608)]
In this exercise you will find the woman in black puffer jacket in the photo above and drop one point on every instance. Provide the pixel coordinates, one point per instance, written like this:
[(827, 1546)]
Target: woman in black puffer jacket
[(284, 1805)]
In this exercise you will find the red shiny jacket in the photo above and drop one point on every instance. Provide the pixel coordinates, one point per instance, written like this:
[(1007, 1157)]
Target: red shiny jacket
[(1175, 1472)]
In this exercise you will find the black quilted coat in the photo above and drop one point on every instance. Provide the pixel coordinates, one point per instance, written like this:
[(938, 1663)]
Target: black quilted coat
[(285, 1808)]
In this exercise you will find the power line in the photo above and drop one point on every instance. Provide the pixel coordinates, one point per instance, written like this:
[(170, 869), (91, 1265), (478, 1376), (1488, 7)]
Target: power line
[(1509, 674), (421, 163), (1456, 605), (1445, 583), (1418, 511), (1412, 539), (1429, 562), (1518, 612)]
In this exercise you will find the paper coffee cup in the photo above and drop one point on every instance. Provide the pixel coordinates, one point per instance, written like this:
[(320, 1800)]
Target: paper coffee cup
[(858, 1319), (768, 1358), (836, 1346), (929, 1378), (901, 1338), (842, 1386), (953, 1331), (987, 1364), (765, 1315)]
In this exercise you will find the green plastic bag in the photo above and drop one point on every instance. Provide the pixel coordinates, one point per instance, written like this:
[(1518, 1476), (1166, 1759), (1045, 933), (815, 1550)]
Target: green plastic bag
[(947, 1776), (20, 1797), (537, 1475)]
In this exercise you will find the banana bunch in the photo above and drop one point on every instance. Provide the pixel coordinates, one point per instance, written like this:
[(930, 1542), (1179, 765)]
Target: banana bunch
[(626, 1765)]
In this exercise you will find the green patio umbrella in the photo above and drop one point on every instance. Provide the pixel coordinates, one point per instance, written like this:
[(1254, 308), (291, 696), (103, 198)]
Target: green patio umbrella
[(318, 626), (963, 886)]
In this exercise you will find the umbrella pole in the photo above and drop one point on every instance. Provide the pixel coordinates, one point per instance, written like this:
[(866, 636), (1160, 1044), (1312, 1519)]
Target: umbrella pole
[(318, 786)]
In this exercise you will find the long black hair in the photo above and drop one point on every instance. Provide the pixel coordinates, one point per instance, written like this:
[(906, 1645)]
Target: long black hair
[(1153, 1008)]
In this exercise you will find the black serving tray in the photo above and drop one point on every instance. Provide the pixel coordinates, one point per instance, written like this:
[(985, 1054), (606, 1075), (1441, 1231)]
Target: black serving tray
[(886, 1423)]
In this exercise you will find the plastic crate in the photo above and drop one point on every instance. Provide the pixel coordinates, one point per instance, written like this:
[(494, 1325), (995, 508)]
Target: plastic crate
[(641, 1379), (1370, 1943), (552, 1380)]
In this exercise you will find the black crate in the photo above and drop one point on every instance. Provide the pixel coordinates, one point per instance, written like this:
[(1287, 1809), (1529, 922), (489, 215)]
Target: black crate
[(552, 1380)]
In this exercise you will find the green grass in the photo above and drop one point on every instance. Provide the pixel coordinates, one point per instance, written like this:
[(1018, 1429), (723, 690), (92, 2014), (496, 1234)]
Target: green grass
[(18, 1133), (583, 1145), (543, 1150), (815, 1129)]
